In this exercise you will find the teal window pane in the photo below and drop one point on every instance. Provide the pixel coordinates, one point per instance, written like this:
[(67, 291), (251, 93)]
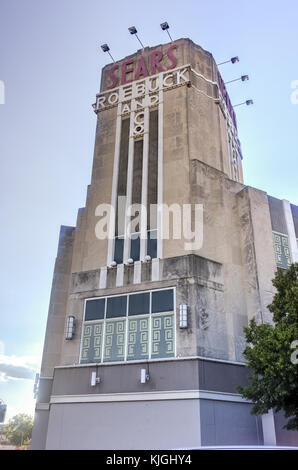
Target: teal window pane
[(114, 345), (92, 343), (281, 249), (138, 338), (162, 335)]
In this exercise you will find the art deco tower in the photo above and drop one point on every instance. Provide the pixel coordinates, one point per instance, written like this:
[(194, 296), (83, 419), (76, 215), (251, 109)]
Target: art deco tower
[(144, 338)]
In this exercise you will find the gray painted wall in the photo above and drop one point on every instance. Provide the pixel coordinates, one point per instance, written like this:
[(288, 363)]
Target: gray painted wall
[(225, 423), (186, 374), (127, 425), (283, 436)]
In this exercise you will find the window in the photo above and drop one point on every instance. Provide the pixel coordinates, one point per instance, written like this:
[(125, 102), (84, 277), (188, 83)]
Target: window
[(281, 249), (139, 304), (162, 301), (95, 309), (135, 246), (152, 243), (116, 306), (129, 327), (119, 245)]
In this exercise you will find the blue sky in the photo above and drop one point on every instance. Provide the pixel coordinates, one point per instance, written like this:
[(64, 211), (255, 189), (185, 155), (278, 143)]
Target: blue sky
[(50, 64)]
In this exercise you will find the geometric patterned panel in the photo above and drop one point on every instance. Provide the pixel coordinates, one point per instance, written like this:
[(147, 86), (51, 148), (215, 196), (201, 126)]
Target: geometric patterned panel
[(92, 342), (162, 335), (114, 345), (138, 338), (281, 249), (144, 330)]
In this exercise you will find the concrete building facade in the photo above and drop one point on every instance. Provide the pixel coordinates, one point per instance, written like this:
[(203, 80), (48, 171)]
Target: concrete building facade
[(170, 258)]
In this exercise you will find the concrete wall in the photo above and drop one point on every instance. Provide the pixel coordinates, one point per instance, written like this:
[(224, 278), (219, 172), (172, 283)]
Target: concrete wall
[(40, 429), (58, 303)]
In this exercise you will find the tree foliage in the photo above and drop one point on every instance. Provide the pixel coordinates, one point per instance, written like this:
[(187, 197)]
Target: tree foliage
[(273, 382), (19, 429)]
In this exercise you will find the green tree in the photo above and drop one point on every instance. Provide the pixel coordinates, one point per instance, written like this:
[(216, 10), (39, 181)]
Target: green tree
[(273, 382), (19, 429)]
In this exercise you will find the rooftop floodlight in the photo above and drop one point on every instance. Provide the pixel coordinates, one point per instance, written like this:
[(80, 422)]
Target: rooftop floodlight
[(94, 106), (133, 30), (165, 27), (234, 60), (244, 78), (106, 48), (247, 102)]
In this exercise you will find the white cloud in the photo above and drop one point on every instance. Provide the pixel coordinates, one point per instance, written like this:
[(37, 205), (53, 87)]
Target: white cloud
[(18, 367)]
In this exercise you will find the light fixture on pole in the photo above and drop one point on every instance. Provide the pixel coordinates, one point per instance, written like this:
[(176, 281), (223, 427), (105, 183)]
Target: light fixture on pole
[(106, 48), (234, 60), (247, 102), (243, 78), (165, 27), (133, 30)]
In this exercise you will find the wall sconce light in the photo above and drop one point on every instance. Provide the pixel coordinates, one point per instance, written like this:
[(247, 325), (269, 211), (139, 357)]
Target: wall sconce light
[(70, 327), (183, 315), (144, 376), (94, 379)]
